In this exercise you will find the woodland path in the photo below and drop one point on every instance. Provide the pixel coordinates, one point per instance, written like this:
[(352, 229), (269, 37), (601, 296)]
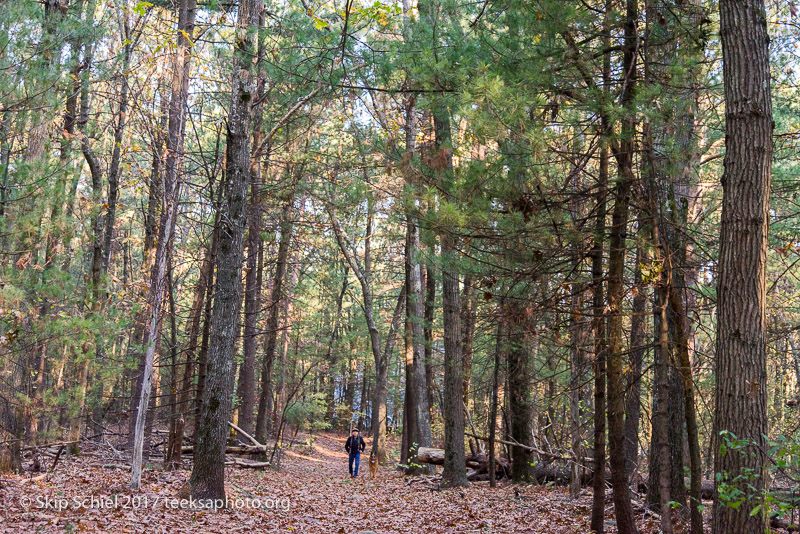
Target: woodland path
[(321, 497)]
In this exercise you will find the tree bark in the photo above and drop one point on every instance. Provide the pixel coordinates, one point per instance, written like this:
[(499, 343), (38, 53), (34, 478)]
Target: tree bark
[(520, 415), (208, 473), (454, 358), (492, 422), (468, 318), (740, 364), (660, 477), (419, 427), (637, 351), (616, 270), (599, 342), (253, 267)]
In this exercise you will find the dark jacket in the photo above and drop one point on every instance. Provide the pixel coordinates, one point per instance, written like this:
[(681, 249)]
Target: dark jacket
[(355, 445)]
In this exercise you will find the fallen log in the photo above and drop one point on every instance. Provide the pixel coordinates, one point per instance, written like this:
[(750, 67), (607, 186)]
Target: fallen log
[(242, 433), (116, 466), (427, 455), (48, 445), (531, 448), (477, 464), (244, 463), (232, 449)]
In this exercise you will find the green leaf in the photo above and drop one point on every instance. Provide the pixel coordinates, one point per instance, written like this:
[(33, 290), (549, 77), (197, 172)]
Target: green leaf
[(141, 7)]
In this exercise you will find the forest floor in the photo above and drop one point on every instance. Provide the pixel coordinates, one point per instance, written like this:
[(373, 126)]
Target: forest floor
[(311, 493)]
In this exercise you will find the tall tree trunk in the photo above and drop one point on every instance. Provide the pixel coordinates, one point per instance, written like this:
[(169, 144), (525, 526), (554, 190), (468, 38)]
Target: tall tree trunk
[(427, 329), (637, 350), (362, 273), (520, 415), (169, 215), (420, 429), (253, 268), (151, 225), (740, 364), (265, 408), (454, 473), (151, 228), (330, 379), (616, 270), (208, 474), (616, 386), (287, 309), (662, 458), (468, 318), (172, 459), (685, 369), (599, 341), (202, 353), (379, 421), (93, 289), (493, 402), (577, 340)]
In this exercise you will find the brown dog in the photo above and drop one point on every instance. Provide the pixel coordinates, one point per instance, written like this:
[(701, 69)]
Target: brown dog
[(373, 464)]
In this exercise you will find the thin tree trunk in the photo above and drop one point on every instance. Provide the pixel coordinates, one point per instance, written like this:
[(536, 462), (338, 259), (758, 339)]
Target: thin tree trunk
[(171, 189), (599, 335), (492, 422), (616, 288), (577, 339), (202, 353), (362, 273), (265, 409), (468, 318), (378, 424), (661, 443), (330, 380), (151, 222), (172, 459), (685, 369), (637, 350), (427, 329)]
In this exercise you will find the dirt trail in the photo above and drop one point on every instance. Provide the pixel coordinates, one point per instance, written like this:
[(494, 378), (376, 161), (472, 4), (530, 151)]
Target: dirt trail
[(312, 493)]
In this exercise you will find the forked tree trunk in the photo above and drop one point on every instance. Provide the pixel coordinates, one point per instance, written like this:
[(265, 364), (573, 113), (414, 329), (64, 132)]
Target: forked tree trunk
[(362, 273)]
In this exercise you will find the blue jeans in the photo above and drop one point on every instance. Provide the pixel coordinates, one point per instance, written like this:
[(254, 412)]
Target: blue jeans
[(355, 459)]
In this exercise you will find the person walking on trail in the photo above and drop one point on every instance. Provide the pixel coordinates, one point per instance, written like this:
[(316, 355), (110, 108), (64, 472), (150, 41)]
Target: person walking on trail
[(355, 446)]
